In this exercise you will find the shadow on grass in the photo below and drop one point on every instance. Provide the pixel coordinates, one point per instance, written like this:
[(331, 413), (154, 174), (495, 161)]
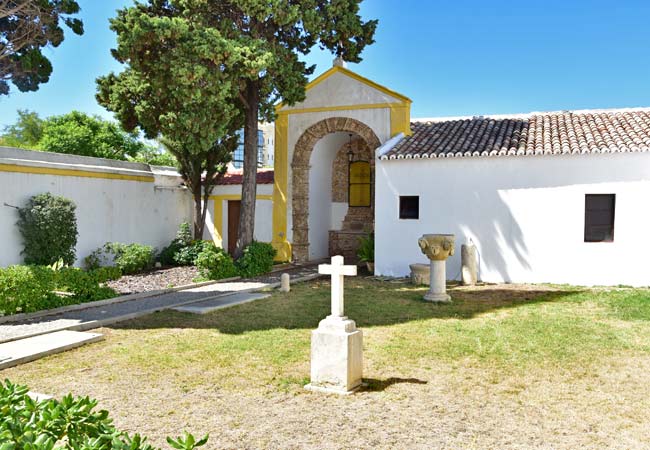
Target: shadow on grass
[(369, 302), (375, 385)]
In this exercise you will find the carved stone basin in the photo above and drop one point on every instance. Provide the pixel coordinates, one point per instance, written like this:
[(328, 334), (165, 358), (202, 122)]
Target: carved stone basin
[(437, 247)]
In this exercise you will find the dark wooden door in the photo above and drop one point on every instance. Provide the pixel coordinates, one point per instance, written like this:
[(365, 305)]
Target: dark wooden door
[(233, 224)]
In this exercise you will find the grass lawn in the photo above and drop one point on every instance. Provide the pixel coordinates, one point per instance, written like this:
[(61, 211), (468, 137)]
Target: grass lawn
[(504, 366)]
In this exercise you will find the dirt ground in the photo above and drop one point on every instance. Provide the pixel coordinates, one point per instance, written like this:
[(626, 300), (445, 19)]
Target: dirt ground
[(156, 379)]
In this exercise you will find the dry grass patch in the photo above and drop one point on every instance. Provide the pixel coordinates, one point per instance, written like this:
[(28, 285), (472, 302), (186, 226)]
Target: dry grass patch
[(504, 366)]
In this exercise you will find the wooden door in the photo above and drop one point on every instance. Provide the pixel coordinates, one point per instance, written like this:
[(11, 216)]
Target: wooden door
[(234, 207)]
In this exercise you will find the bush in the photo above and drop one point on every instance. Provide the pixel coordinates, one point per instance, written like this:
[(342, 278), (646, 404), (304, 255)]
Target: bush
[(104, 274), (48, 226), (128, 258), (366, 251), (72, 423), (85, 286), (215, 264), (26, 289), (182, 251), (256, 260)]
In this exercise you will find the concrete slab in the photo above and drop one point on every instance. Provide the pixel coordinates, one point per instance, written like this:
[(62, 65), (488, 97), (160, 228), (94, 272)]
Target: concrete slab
[(30, 349), (221, 302)]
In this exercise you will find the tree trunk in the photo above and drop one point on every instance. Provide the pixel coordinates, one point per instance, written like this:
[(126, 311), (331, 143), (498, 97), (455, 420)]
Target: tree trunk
[(199, 217), (249, 182)]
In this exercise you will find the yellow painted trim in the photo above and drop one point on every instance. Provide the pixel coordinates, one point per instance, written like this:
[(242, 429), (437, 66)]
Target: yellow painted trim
[(339, 108), (217, 218), (73, 173), (328, 73), (400, 119), (280, 188)]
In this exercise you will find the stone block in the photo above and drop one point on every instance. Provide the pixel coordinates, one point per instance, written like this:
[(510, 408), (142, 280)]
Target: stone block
[(336, 356)]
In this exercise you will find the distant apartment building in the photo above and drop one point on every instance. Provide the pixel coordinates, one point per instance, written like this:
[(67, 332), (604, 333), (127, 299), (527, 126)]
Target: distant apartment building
[(265, 147)]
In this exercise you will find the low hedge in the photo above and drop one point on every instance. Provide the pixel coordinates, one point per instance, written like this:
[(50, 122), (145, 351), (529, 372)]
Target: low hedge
[(256, 260), (215, 264), (25, 289), (71, 423), (129, 258)]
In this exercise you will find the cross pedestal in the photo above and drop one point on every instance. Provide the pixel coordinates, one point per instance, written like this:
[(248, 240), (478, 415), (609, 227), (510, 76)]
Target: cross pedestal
[(337, 344)]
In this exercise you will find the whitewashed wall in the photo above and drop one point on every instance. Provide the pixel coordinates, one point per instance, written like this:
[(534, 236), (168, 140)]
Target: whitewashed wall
[(263, 213), (525, 215), (107, 209)]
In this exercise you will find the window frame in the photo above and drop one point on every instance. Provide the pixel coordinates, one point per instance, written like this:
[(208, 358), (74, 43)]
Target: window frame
[(588, 225), (400, 209)]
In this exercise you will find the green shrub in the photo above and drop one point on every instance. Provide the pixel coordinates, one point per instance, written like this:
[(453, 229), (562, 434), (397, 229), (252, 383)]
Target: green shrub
[(215, 264), (366, 251), (85, 286), (48, 226), (129, 258), (186, 256), (183, 250), (104, 274), (256, 260), (71, 423), (26, 289)]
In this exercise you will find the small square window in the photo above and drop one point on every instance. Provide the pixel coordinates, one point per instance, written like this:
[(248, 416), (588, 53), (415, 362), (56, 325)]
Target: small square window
[(409, 207), (599, 217)]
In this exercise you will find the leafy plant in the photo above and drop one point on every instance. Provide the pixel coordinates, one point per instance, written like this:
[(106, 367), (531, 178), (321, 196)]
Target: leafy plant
[(215, 264), (85, 286), (26, 289), (48, 225), (256, 260), (183, 250), (129, 258), (71, 423), (366, 251)]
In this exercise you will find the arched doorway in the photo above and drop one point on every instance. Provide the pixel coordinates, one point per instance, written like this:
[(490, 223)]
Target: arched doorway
[(301, 167)]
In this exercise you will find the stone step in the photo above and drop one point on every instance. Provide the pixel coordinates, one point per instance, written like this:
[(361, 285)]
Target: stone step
[(33, 348)]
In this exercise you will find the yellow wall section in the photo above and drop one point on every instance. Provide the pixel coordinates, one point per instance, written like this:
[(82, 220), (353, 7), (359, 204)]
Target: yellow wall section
[(74, 173), (218, 213), (280, 186), (400, 122)]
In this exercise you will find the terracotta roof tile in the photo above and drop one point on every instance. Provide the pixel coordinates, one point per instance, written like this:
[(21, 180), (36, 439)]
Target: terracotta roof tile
[(565, 132), (235, 176)]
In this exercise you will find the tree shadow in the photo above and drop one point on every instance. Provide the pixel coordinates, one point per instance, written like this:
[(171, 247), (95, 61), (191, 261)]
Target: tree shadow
[(369, 302), (377, 385)]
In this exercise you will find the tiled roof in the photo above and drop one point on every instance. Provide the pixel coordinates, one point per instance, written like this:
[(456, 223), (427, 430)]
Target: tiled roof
[(235, 176), (565, 132)]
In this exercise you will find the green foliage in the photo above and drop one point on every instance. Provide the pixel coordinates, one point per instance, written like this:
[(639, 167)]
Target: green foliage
[(25, 133), (366, 251), (104, 274), (215, 264), (26, 27), (186, 256), (71, 423), (85, 286), (155, 157), (128, 258), (26, 289), (78, 133), (256, 260), (48, 226), (182, 240)]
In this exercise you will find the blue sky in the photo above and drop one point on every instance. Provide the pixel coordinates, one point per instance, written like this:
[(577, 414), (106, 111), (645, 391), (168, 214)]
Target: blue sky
[(451, 58)]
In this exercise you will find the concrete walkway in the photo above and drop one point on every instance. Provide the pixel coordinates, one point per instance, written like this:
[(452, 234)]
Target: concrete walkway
[(98, 316)]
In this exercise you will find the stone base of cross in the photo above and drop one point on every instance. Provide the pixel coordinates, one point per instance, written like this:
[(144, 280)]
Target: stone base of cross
[(337, 344)]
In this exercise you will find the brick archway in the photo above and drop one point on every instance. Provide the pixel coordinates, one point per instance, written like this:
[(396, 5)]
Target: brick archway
[(300, 170)]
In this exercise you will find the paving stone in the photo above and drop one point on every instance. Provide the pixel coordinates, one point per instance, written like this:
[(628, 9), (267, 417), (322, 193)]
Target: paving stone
[(30, 349), (218, 303)]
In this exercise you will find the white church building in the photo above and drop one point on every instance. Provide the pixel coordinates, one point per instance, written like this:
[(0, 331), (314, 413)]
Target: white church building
[(560, 197)]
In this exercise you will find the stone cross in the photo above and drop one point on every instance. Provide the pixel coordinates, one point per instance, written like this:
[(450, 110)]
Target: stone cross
[(337, 270)]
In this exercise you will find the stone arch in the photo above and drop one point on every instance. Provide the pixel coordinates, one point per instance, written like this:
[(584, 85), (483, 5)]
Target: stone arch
[(300, 173)]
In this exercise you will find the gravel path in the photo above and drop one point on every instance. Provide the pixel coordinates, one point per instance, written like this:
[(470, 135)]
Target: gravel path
[(155, 280), (96, 316)]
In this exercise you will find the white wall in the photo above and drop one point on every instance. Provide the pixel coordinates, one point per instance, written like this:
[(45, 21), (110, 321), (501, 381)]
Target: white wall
[(263, 213), (107, 209), (525, 214), (320, 192)]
